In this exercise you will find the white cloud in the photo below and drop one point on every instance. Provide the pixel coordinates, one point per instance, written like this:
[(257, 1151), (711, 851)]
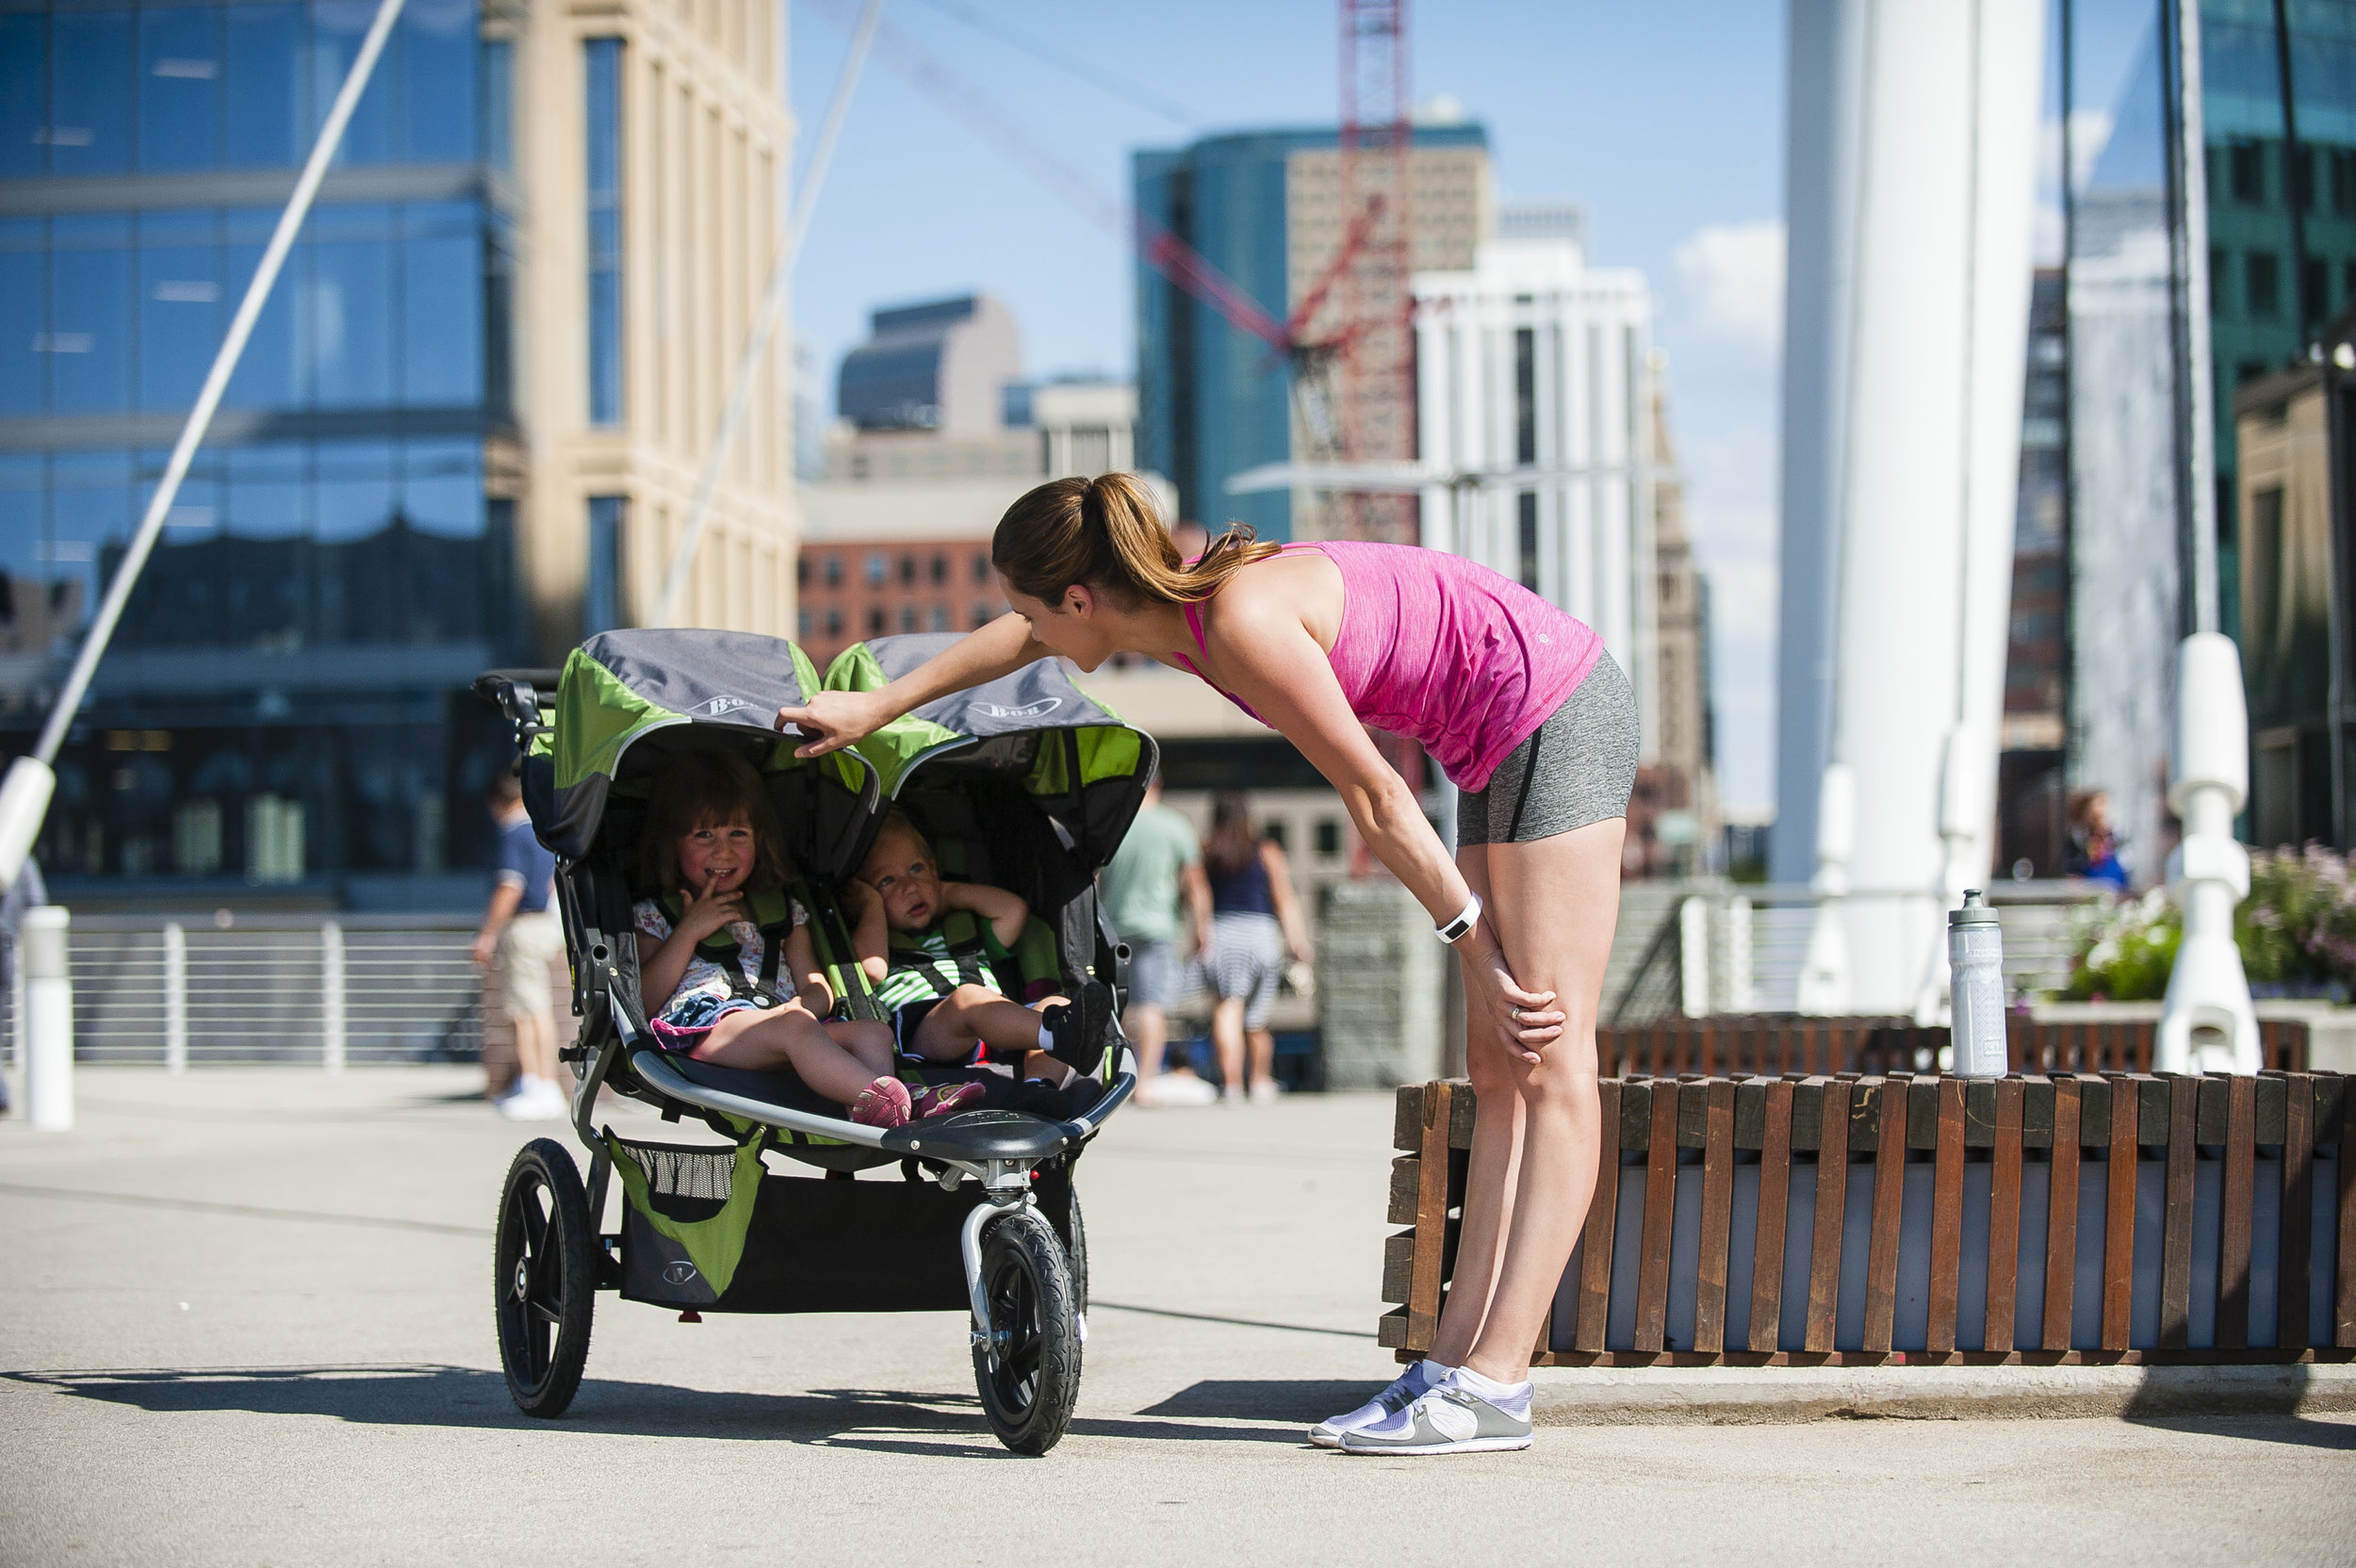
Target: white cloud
[(2089, 132), (1733, 276)]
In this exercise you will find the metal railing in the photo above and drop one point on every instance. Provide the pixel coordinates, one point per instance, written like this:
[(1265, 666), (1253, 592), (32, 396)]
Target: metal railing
[(1730, 949), (326, 991)]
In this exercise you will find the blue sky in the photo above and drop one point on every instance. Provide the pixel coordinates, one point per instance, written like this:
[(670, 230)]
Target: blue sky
[(1664, 121)]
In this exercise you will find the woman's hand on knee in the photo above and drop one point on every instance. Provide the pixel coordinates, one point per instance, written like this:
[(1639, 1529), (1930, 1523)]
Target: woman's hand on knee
[(1525, 1020)]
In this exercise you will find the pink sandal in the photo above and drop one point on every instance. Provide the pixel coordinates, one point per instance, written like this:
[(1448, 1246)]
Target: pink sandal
[(881, 1104)]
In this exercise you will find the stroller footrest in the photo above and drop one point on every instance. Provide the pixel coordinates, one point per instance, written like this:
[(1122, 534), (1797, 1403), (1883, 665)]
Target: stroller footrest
[(979, 1136)]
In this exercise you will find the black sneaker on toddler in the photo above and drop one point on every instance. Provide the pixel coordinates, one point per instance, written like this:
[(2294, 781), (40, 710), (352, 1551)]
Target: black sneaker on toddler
[(1076, 1030)]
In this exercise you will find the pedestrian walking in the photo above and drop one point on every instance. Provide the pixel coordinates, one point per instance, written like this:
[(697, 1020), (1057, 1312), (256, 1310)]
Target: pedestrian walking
[(1255, 924), (1158, 865), (520, 938), (1531, 719)]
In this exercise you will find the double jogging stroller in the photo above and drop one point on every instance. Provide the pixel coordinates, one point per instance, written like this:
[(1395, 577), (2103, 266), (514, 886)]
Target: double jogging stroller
[(1026, 783)]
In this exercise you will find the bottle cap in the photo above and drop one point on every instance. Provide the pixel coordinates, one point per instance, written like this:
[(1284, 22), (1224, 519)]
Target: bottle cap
[(1975, 912)]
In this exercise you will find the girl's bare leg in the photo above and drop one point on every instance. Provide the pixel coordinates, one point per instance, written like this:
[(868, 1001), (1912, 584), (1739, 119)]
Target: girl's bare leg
[(1227, 1039), (1554, 903), (869, 1043), (787, 1036)]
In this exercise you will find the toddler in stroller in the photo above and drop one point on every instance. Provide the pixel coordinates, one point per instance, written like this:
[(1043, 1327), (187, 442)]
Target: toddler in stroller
[(931, 948), (710, 953)]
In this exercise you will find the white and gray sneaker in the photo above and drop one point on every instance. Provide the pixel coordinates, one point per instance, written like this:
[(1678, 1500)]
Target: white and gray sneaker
[(1448, 1420), (1410, 1386)]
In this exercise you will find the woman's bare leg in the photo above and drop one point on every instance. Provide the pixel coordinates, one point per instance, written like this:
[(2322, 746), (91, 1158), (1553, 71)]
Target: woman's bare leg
[(1490, 1173), (1263, 1043), (1554, 903), (1227, 1038)]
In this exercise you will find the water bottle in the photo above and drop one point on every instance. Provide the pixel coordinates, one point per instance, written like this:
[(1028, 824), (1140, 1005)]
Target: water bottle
[(1975, 963)]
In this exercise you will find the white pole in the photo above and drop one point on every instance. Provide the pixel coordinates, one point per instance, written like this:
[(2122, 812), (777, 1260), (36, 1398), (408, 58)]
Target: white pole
[(49, 1020), (332, 996), (765, 324), (2207, 1024), (175, 998), (26, 794)]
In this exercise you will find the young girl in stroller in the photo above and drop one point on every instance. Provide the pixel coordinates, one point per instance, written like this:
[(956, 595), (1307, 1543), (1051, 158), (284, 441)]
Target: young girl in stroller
[(710, 951)]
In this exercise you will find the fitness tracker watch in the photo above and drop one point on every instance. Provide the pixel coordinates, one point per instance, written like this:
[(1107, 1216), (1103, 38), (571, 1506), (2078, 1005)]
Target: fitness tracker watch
[(1457, 929)]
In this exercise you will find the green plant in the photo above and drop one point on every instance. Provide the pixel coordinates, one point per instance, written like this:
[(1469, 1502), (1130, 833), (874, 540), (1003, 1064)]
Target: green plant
[(2297, 928)]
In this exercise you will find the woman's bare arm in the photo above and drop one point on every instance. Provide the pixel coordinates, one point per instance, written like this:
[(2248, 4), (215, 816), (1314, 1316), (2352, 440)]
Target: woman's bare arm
[(1280, 893), (832, 720)]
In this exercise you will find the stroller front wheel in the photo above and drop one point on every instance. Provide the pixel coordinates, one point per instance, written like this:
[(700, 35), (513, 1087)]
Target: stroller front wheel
[(544, 1277), (1028, 1371)]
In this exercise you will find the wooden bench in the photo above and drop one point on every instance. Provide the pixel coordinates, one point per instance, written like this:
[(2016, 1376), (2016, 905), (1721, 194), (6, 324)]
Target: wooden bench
[(1763, 1268), (1775, 1043)]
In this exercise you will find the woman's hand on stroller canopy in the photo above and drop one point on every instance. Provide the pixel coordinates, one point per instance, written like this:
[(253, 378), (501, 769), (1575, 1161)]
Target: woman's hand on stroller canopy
[(833, 720)]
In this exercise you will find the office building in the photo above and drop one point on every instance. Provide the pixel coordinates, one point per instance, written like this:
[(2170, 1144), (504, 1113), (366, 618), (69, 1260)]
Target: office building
[(1536, 415), (1264, 208), (941, 366), (464, 433), (2032, 803)]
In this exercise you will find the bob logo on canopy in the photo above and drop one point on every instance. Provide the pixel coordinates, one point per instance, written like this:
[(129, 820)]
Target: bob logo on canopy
[(1039, 710), (678, 1273), (718, 706)]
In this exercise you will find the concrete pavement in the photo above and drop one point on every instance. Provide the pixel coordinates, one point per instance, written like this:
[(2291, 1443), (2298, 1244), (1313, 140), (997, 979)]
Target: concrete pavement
[(244, 1318)]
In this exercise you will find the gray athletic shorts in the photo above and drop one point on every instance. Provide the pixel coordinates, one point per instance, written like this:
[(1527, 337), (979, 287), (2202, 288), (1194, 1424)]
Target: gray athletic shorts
[(1156, 975), (1577, 768)]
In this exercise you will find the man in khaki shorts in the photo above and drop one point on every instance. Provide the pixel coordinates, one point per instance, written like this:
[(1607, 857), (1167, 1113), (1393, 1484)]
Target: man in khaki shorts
[(521, 937)]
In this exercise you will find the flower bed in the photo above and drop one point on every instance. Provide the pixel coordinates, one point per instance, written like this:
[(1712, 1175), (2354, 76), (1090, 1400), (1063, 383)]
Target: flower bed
[(2296, 932)]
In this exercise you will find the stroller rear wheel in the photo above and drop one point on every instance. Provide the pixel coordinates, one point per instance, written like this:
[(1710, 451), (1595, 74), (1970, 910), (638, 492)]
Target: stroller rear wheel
[(543, 1281), (1029, 1371)]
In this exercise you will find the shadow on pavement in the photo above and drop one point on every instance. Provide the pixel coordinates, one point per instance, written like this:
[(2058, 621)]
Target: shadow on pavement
[(427, 1394), (1302, 1400)]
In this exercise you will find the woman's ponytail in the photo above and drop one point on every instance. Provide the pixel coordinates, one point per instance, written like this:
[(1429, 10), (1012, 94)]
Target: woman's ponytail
[(1106, 532)]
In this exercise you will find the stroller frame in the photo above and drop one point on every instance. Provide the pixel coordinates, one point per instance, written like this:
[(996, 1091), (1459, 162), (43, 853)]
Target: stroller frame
[(1001, 1151)]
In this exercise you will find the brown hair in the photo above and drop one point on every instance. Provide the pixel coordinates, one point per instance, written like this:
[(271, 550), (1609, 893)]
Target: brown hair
[(1232, 844), (1105, 533), (703, 789)]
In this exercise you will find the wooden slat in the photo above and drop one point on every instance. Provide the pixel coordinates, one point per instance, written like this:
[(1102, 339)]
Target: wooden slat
[(2003, 1218), (1774, 1186), (2235, 1193), (1889, 1182), (1595, 1278), (1423, 1292), (1709, 1290), (1661, 1200), (1832, 1190), (2344, 1314), (2176, 1216), (2299, 1197), (2119, 1235), (1946, 1219), (2061, 1219)]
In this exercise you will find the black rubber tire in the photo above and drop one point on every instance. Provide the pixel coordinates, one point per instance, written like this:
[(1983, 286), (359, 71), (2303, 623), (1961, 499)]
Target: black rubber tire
[(1077, 1254), (1030, 1383), (544, 1277)]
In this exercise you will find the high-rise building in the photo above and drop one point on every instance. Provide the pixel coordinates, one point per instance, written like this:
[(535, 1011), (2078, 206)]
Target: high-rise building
[(1264, 207), (464, 433), (1535, 407), (941, 366)]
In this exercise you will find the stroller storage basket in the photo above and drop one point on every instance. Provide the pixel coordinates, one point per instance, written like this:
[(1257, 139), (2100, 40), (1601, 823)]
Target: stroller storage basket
[(796, 1244)]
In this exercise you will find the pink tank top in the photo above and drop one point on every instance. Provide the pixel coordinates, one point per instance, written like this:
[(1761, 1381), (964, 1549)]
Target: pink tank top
[(1462, 661)]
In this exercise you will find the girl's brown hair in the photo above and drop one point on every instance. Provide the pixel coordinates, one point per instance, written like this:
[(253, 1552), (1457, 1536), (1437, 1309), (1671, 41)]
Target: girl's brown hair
[(708, 789), (1105, 533), (1232, 844)]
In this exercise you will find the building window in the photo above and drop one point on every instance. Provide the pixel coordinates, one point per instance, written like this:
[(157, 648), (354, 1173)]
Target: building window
[(2246, 166), (907, 617), (2343, 181), (940, 618), (874, 623), (834, 621), (941, 569), (876, 567), (981, 567), (801, 572), (981, 616), (2303, 178), (801, 624), (2262, 283), (1329, 837), (907, 568), (604, 118), (2217, 281), (1527, 539), (834, 571), (1524, 396), (601, 606), (2317, 302)]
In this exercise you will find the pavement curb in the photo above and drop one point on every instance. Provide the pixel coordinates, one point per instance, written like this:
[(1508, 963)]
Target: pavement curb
[(1733, 1395)]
